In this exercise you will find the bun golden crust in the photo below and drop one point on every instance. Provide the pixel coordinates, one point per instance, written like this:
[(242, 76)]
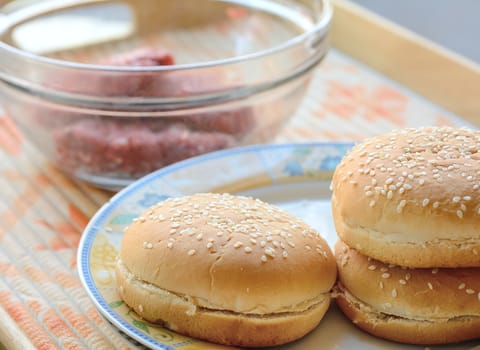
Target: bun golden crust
[(406, 304), (229, 253), (412, 191)]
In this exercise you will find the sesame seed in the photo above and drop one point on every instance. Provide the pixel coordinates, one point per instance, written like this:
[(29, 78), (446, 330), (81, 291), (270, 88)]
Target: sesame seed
[(237, 245), (381, 285), (434, 271), (307, 247), (469, 291), (402, 282), (345, 260), (429, 286), (291, 244), (175, 225), (263, 244), (425, 202), (284, 254), (270, 252), (460, 214), (456, 199), (199, 237), (384, 269), (372, 267), (389, 181), (401, 205), (467, 198), (372, 204), (140, 307), (478, 296), (209, 245), (394, 293), (408, 276), (461, 286), (436, 204), (386, 275), (263, 258), (390, 195), (369, 193), (191, 252), (247, 250), (188, 230)]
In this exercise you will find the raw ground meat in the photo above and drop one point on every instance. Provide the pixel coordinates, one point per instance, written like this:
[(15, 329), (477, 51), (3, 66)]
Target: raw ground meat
[(130, 148), (133, 147), (146, 56)]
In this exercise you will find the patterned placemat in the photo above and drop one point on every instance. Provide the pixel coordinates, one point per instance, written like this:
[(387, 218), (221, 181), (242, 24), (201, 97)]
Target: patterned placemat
[(43, 305)]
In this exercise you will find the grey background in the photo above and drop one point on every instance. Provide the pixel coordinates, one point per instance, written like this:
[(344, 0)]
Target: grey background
[(454, 24)]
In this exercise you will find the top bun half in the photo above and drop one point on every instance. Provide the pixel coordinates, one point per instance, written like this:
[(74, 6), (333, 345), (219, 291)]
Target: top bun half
[(412, 197)]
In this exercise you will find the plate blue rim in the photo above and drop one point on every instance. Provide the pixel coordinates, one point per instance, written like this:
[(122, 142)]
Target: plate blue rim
[(92, 228)]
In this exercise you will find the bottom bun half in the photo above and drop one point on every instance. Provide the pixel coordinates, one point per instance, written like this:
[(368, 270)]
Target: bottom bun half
[(404, 330), (408, 305), (180, 313)]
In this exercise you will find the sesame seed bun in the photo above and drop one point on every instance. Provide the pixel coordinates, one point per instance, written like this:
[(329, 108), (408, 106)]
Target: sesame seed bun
[(417, 306), (412, 197), (228, 269)]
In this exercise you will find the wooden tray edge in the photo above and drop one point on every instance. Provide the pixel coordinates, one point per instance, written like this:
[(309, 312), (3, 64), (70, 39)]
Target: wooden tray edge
[(436, 73)]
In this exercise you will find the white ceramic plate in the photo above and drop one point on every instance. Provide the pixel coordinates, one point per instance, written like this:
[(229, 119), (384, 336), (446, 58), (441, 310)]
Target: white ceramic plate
[(295, 177)]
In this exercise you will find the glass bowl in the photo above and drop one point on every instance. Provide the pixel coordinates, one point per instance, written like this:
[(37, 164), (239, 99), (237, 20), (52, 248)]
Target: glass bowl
[(112, 90)]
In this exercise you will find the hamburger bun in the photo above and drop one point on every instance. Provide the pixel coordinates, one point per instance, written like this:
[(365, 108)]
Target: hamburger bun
[(417, 306), (227, 269), (412, 197)]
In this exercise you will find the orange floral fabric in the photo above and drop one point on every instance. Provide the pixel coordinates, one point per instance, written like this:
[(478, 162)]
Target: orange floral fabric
[(43, 212)]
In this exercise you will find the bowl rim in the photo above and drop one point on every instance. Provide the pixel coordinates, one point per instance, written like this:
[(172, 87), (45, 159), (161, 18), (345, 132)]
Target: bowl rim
[(7, 21)]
